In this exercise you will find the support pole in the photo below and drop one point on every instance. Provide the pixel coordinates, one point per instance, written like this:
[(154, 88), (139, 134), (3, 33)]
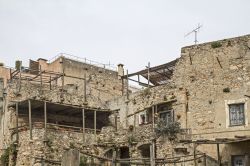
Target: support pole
[(152, 154), (114, 157), (85, 87), (153, 117), (45, 120), (148, 73), (195, 163), (218, 154), (205, 160), (30, 121), (127, 85), (20, 77), (41, 77), (17, 133), (83, 125), (95, 124)]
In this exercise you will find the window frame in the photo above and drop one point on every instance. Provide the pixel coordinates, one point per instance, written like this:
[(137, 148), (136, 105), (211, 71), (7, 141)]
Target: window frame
[(244, 115), (227, 116)]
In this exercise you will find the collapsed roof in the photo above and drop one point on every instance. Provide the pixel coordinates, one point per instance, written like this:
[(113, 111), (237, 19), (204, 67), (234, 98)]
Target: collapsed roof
[(158, 75)]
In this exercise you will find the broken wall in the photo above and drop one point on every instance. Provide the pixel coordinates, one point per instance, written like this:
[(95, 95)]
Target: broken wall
[(215, 74)]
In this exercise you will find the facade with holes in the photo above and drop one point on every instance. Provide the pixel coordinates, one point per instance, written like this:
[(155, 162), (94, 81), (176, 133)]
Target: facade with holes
[(49, 108)]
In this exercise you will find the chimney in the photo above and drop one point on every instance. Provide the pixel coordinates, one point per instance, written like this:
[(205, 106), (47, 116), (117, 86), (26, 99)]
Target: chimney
[(43, 63), (120, 70)]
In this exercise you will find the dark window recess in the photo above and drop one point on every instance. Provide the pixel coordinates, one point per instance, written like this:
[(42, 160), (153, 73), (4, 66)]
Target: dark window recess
[(238, 160), (166, 116), (236, 114)]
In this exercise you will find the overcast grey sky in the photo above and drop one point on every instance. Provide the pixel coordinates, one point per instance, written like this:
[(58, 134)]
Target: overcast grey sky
[(131, 32)]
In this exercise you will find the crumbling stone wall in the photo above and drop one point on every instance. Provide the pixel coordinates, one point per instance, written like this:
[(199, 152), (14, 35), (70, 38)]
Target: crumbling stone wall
[(215, 73)]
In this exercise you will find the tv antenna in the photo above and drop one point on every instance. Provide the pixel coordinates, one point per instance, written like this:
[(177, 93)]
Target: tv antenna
[(195, 31)]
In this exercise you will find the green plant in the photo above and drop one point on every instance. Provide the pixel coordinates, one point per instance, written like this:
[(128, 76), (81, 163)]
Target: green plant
[(216, 44), (5, 157), (83, 161), (131, 140), (11, 151), (168, 129)]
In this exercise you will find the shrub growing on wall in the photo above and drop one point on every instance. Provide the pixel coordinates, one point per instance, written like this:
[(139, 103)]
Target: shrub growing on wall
[(167, 129)]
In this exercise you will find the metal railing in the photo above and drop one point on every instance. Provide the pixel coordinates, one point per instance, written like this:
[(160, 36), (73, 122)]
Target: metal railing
[(84, 60)]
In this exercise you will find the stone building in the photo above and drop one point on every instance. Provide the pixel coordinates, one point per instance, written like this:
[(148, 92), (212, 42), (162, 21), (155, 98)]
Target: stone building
[(192, 111)]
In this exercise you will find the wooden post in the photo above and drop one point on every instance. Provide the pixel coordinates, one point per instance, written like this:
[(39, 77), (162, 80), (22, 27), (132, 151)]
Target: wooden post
[(20, 77), (41, 77), (17, 134), (195, 163), (30, 120), (114, 157), (205, 160), (148, 73), (83, 125), (127, 85), (153, 117), (85, 87), (218, 154), (95, 124), (152, 154), (45, 120)]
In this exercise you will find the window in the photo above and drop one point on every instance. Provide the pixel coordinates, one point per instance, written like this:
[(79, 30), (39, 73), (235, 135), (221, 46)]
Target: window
[(166, 116), (236, 114), (143, 118), (238, 160)]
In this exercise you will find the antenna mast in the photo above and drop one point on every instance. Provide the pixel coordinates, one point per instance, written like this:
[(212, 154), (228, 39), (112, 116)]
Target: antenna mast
[(195, 31)]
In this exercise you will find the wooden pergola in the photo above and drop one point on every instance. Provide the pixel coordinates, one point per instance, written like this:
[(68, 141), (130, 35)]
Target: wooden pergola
[(157, 75)]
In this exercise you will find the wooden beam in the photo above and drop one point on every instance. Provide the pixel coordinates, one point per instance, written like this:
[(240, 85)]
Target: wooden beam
[(30, 120)]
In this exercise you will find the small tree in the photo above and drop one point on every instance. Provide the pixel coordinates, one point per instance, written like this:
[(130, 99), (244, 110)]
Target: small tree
[(168, 129)]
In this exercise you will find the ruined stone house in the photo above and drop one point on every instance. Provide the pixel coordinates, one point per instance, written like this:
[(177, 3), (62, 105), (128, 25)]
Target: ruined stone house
[(49, 108)]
